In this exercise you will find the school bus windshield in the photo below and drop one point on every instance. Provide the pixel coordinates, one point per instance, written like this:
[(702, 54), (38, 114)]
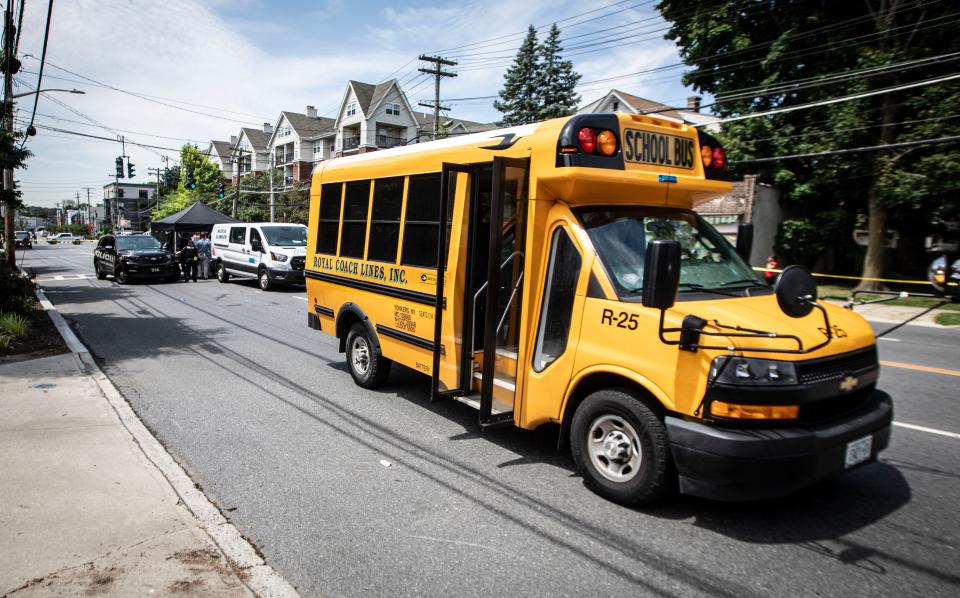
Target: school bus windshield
[(707, 260)]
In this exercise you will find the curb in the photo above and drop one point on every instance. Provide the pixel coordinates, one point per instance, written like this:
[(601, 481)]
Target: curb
[(258, 576)]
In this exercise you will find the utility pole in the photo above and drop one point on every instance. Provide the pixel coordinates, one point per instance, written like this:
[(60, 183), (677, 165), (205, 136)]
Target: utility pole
[(273, 173), (437, 73), (11, 212), (90, 221)]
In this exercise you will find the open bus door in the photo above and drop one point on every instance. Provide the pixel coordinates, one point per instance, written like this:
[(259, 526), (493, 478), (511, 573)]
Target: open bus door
[(480, 285)]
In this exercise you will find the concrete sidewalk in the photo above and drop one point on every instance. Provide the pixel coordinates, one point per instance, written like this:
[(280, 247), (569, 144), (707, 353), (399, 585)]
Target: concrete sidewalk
[(91, 503)]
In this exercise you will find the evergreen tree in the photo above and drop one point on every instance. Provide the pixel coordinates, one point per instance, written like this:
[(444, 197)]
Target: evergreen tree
[(557, 80), (521, 98)]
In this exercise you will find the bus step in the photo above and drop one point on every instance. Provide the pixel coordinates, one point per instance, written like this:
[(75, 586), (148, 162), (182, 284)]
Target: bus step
[(473, 400)]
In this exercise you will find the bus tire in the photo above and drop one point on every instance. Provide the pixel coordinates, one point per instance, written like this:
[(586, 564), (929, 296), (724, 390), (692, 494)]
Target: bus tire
[(620, 448), (222, 274), (367, 364)]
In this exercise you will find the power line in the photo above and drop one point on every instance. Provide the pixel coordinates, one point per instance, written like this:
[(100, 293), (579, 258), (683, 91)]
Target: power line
[(43, 58), (143, 97), (834, 100), (854, 150)]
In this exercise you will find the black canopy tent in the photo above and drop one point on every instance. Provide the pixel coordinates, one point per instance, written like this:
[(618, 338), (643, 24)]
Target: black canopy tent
[(198, 218)]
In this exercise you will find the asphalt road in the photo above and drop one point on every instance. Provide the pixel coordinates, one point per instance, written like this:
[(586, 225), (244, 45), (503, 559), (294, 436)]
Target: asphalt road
[(349, 492)]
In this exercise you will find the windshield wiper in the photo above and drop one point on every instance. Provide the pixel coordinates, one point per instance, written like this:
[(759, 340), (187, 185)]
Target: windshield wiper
[(692, 286), (753, 282)]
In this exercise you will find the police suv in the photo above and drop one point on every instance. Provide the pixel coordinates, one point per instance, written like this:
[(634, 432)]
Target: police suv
[(270, 252), (127, 257)]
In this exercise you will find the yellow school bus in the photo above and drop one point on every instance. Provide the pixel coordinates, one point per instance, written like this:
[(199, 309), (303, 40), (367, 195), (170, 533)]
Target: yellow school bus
[(556, 273)]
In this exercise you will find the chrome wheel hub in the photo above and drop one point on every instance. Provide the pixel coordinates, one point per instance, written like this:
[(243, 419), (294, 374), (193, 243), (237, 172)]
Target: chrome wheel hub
[(614, 448), (360, 355)]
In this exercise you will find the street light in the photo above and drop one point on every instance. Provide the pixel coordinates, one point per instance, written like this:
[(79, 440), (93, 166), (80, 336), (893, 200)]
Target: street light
[(30, 93)]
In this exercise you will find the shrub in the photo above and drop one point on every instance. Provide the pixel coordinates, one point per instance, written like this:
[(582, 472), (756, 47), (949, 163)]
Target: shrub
[(16, 292), (14, 325)]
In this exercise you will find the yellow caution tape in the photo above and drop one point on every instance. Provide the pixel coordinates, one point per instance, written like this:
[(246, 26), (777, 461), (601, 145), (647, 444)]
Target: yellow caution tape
[(923, 282)]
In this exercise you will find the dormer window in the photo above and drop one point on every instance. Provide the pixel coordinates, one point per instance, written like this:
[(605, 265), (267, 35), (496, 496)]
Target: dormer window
[(393, 108), (351, 108)]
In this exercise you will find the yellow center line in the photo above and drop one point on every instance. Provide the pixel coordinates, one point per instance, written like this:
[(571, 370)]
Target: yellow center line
[(920, 368)]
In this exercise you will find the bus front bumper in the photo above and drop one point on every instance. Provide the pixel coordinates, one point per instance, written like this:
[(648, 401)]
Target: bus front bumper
[(736, 464)]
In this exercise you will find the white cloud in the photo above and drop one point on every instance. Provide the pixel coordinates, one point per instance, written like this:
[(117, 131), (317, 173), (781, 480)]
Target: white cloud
[(197, 51)]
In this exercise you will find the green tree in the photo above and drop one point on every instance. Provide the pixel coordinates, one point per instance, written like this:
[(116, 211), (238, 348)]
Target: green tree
[(521, 98), (208, 177), (557, 80), (782, 53), (13, 156)]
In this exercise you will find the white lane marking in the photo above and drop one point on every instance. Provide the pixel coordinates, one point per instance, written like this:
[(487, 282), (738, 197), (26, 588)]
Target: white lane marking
[(928, 430), (887, 338), (299, 297)]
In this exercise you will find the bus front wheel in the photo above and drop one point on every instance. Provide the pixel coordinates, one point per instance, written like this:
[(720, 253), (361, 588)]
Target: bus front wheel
[(620, 447), (368, 366)]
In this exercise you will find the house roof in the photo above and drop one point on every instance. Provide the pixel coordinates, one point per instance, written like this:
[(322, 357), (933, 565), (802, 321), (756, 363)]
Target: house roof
[(222, 148), (257, 138), (642, 105), (308, 126), (369, 95), (426, 122)]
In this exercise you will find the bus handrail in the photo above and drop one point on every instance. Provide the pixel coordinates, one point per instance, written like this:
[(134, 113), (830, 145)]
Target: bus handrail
[(483, 287)]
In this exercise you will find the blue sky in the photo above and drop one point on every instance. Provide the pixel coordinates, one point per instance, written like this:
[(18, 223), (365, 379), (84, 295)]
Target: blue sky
[(191, 70)]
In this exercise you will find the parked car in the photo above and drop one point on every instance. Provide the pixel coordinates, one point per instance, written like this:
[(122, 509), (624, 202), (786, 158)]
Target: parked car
[(64, 238), (271, 252), (22, 240), (127, 257)]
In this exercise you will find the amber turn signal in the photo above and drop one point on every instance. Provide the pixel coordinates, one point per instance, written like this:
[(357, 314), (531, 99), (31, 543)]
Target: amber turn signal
[(734, 411), (706, 154), (607, 143)]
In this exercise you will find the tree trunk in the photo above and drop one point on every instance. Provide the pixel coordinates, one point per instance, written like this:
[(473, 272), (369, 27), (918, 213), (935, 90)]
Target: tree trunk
[(875, 262), (876, 259)]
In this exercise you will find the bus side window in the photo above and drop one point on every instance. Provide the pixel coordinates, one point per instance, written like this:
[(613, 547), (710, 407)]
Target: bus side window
[(556, 311), (421, 225), (330, 195), (356, 200), (385, 219)]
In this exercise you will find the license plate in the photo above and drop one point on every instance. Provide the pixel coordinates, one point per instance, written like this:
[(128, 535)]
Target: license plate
[(154, 269), (858, 451)]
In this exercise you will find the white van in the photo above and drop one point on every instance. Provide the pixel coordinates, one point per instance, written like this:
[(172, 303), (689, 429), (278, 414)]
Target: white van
[(271, 252)]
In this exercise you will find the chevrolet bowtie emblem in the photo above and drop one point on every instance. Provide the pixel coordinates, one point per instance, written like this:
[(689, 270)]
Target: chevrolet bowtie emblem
[(849, 383)]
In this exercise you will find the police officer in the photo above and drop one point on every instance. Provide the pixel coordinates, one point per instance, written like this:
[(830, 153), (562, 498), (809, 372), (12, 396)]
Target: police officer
[(189, 260)]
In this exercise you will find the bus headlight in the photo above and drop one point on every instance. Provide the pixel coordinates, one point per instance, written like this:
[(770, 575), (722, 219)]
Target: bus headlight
[(750, 371)]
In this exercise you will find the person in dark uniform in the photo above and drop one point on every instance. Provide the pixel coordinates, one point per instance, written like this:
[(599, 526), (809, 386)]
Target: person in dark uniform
[(189, 261)]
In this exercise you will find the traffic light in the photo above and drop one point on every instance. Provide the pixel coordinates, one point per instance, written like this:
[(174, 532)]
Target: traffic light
[(130, 170), (119, 163), (221, 191), (191, 183)]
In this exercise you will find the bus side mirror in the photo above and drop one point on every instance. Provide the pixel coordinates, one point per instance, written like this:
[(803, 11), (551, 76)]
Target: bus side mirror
[(745, 240), (661, 274)]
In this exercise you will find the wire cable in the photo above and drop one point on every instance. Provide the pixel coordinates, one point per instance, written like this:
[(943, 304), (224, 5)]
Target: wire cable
[(43, 58)]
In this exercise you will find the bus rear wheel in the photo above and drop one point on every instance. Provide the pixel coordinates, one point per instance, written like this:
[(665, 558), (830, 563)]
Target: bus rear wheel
[(368, 366), (620, 447)]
